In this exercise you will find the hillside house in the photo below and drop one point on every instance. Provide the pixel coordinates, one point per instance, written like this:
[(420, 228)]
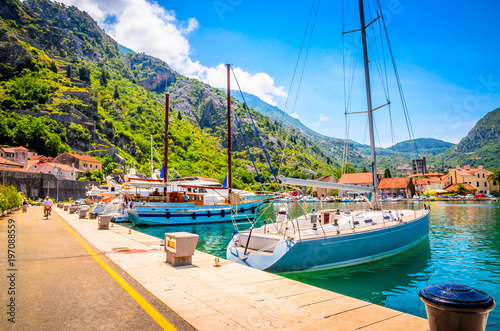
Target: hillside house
[(61, 171), (79, 161), (19, 154)]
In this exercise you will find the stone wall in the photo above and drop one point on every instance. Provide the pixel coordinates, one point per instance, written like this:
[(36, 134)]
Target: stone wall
[(38, 185)]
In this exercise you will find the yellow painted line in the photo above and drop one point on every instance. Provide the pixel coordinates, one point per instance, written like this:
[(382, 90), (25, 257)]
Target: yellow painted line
[(136, 296)]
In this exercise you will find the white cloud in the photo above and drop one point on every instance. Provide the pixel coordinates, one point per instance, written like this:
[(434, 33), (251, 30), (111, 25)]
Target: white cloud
[(323, 118), (295, 115), (147, 27)]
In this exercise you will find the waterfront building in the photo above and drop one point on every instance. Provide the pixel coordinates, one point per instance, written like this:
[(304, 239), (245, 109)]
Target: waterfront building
[(359, 179), (428, 184), (320, 191), (79, 161), (61, 171), (9, 164), (476, 177), (19, 154), (454, 188), (397, 186)]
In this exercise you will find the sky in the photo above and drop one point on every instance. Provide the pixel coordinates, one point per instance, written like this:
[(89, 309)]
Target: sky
[(446, 54)]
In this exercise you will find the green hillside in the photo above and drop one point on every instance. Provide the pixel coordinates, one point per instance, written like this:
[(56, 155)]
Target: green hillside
[(64, 80), (424, 146)]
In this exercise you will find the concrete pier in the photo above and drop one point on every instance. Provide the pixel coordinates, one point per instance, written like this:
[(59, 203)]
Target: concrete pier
[(233, 297)]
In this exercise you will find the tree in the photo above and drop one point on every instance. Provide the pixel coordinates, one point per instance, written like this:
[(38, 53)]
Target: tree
[(387, 173), (53, 66), (84, 74), (461, 189), (116, 94), (364, 170), (69, 71), (494, 177), (179, 116), (108, 165), (103, 79)]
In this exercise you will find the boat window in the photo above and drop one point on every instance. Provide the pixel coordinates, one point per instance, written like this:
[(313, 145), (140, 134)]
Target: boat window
[(202, 190)]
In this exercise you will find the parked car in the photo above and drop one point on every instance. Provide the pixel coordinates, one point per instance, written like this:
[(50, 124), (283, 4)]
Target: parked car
[(479, 196), (79, 202), (469, 196), (38, 202), (489, 196), (459, 196)]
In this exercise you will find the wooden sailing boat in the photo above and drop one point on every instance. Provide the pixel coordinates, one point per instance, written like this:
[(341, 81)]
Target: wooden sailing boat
[(183, 203), (332, 238)]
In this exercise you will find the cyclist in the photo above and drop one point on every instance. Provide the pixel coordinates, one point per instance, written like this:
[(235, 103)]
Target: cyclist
[(47, 206)]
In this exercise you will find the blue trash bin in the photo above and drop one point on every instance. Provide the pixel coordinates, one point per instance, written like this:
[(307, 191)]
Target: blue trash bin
[(454, 307)]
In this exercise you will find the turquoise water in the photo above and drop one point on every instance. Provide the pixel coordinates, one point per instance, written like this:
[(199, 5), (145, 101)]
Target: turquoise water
[(463, 246)]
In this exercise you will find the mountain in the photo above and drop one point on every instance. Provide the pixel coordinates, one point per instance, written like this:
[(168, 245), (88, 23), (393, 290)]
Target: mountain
[(485, 132), (422, 146), (65, 84), (273, 112), (480, 147)]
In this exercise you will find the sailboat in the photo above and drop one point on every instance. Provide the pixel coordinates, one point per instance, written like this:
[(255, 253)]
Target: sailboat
[(192, 201), (332, 238)]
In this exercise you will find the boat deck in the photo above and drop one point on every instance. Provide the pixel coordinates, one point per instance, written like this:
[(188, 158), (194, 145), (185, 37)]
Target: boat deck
[(235, 297)]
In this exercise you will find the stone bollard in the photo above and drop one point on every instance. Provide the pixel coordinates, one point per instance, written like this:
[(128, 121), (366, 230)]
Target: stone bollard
[(180, 247), (82, 213), (92, 216), (103, 222), (60, 205), (66, 206), (456, 307), (72, 209)]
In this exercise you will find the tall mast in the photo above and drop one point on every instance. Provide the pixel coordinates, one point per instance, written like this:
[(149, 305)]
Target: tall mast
[(369, 104), (165, 157), (151, 156), (229, 175)]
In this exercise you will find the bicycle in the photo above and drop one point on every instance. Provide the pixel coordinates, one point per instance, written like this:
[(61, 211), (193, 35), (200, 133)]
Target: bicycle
[(47, 210)]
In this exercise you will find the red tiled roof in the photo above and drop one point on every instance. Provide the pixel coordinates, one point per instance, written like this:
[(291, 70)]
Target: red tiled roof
[(470, 172), (476, 170), (8, 150), (433, 174), (85, 158), (454, 187), (422, 181), (398, 182), (9, 163), (82, 157), (323, 179), (2, 168), (21, 148), (359, 178)]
